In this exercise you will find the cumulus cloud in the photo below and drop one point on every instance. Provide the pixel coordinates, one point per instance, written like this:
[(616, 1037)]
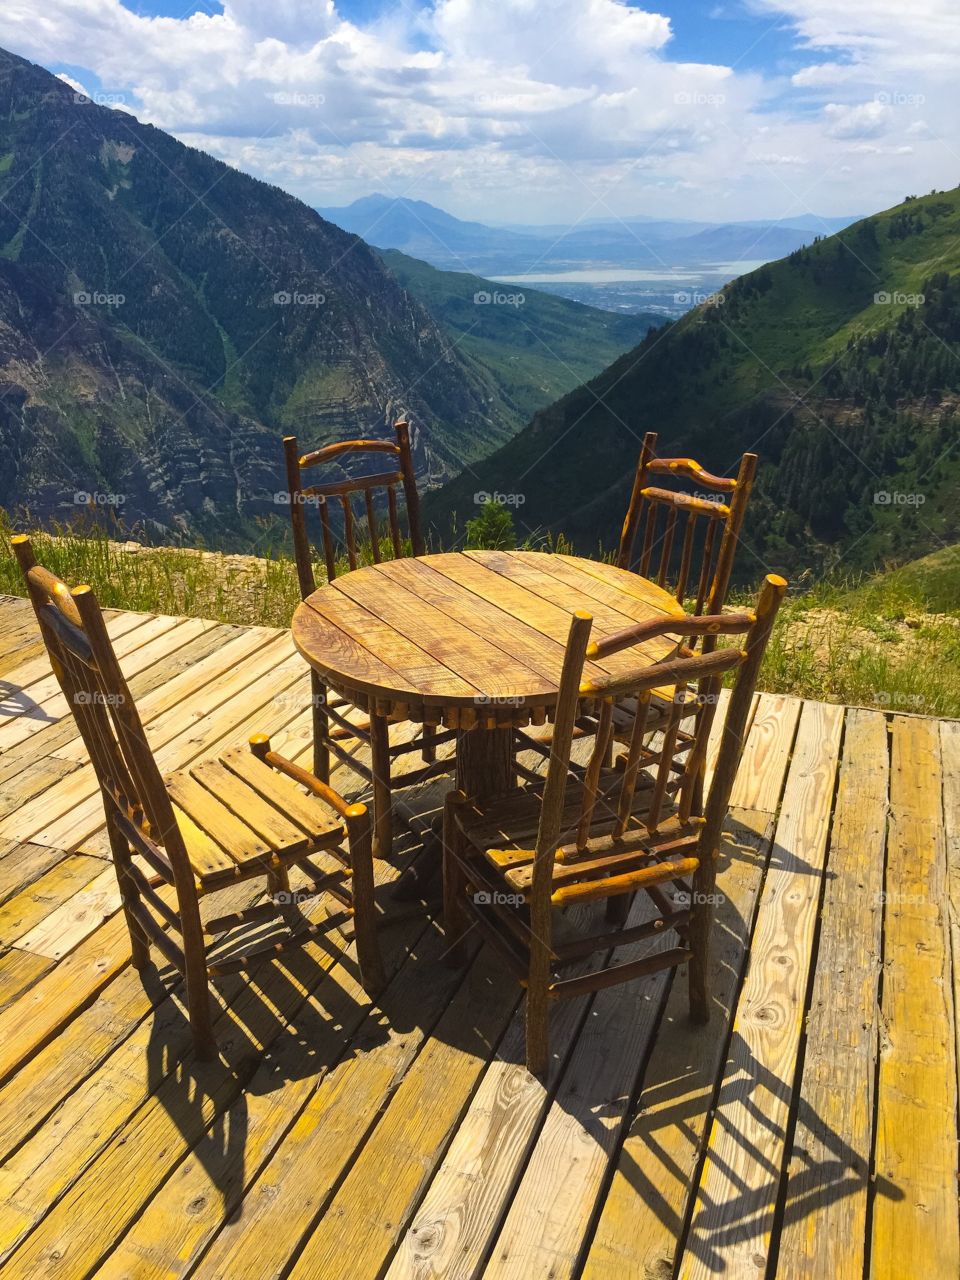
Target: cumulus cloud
[(575, 103)]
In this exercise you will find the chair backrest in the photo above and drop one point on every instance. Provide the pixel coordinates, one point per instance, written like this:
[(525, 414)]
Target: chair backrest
[(652, 760), (86, 666), (704, 527), (342, 491)]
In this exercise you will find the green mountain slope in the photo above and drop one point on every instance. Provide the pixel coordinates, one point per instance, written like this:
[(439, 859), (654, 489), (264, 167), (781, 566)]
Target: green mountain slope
[(839, 365), (536, 346), (165, 318)]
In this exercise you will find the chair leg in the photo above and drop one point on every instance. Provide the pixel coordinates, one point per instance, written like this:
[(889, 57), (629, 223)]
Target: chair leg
[(618, 908), (698, 939), (454, 882), (139, 944), (429, 752), (364, 906), (538, 1011), (195, 971), (278, 881), (321, 753), (380, 765)]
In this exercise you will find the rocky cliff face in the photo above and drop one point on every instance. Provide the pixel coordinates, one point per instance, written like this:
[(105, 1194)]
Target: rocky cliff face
[(164, 319)]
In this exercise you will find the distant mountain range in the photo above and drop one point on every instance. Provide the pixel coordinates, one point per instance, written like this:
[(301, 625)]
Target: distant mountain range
[(423, 231), (839, 365), (164, 319)]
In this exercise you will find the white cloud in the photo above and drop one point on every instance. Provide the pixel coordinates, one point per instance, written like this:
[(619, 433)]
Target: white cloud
[(864, 120), (576, 104)]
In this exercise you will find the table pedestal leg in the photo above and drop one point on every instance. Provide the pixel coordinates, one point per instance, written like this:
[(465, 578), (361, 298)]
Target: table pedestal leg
[(485, 762), (484, 769)]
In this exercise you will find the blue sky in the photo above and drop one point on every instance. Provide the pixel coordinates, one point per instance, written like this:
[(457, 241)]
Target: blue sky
[(513, 110)]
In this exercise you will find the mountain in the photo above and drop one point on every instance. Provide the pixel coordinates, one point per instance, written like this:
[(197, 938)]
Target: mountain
[(533, 346), (839, 365), (164, 319), (423, 231)]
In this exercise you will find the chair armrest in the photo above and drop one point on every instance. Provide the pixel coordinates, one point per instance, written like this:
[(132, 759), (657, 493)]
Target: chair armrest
[(260, 746)]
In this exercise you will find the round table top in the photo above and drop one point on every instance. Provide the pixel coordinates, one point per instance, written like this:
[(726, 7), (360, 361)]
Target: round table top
[(463, 629)]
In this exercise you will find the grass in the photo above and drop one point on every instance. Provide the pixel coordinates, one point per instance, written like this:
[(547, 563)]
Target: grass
[(891, 642)]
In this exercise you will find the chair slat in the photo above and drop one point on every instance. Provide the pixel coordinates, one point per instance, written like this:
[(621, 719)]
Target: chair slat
[(253, 810), (216, 821)]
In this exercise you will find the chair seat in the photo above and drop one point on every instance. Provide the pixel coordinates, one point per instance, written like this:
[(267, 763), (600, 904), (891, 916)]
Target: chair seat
[(239, 818), (504, 832)]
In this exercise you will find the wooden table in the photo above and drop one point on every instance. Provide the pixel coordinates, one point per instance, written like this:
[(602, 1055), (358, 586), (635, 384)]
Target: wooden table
[(471, 640)]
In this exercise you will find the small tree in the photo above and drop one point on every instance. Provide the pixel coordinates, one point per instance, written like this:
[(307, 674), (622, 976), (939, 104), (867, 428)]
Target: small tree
[(491, 529)]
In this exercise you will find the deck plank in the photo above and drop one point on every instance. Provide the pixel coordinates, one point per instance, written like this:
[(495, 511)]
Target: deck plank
[(828, 1178), (915, 1207), (734, 1209), (660, 1153), (950, 757)]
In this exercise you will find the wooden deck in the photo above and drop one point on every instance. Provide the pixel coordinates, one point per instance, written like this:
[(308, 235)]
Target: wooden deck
[(809, 1131)]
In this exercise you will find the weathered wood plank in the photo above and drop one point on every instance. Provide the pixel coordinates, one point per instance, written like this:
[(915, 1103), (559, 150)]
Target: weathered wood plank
[(642, 1218), (950, 756), (369, 1213), (137, 649), (50, 1003), (824, 1229), (18, 971), (36, 754), (21, 913), (21, 864), (72, 810), (915, 1204), (736, 1200), (198, 1201), (66, 927), (85, 1192)]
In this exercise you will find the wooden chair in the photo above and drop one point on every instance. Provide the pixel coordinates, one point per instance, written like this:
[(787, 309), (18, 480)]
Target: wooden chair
[(209, 826), (705, 531), (690, 521), (373, 729), (602, 833)]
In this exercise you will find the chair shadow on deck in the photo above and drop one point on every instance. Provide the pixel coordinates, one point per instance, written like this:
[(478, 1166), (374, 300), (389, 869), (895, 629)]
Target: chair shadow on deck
[(678, 1093), (15, 701), (312, 1036), (312, 1021)]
